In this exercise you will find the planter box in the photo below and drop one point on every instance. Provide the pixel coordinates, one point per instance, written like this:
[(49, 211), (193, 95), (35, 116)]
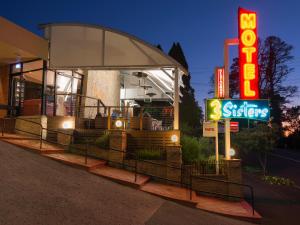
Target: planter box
[(101, 122), (135, 123), (64, 136), (118, 140)]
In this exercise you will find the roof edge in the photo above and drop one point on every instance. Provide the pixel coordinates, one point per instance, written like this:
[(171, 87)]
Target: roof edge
[(177, 64)]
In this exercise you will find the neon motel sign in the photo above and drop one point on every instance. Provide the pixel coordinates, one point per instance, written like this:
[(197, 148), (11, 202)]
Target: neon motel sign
[(248, 54), (220, 82), (218, 109)]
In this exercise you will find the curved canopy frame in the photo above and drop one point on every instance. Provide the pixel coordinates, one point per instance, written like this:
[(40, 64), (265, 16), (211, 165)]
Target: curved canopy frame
[(97, 47)]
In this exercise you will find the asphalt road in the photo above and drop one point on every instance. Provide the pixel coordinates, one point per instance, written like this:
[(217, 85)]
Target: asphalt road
[(279, 205), (35, 190)]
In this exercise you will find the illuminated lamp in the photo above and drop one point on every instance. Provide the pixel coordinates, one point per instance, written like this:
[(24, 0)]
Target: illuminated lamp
[(67, 125), (232, 152), (118, 123), (174, 138), (18, 66)]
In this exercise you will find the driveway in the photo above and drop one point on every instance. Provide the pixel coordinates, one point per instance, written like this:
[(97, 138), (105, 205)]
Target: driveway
[(279, 205), (35, 190)]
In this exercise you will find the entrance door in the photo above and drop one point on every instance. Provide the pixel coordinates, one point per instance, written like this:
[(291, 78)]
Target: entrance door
[(18, 92)]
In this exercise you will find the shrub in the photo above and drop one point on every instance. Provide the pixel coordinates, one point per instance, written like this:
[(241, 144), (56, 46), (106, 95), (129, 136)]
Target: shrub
[(149, 154), (103, 141), (278, 180)]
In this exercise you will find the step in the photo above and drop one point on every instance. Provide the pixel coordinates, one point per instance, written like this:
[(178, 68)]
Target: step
[(171, 192), (235, 209), (77, 161), (121, 176), (17, 136), (34, 145)]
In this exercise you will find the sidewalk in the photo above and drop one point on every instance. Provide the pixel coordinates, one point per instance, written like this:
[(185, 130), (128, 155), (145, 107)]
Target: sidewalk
[(241, 210)]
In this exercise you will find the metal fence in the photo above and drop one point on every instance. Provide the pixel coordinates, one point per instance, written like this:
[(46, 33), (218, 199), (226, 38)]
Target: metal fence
[(124, 117)]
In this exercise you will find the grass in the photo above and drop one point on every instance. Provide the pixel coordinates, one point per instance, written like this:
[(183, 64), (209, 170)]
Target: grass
[(281, 181), (147, 154)]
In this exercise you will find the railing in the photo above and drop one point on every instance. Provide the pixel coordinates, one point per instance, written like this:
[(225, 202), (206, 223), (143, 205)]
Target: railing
[(136, 160), (127, 117), (249, 187), (69, 104), (205, 167)]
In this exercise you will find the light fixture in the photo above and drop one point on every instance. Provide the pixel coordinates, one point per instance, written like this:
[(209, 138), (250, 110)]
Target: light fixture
[(67, 125), (18, 66), (118, 123), (232, 152), (174, 138)]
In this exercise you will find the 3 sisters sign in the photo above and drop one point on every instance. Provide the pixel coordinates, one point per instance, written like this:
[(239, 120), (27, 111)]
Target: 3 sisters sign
[(218, 109), (249, 106)]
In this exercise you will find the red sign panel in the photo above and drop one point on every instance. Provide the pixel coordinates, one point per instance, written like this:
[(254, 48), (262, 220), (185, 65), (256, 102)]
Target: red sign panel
[(234, 126), (220, 82), (249, 76)]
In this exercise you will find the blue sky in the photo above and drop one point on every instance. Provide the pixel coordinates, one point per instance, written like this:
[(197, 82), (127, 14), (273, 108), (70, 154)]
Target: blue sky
[(199, 25)]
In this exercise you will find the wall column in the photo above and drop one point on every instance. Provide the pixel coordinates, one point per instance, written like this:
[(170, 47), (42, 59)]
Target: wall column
[(176, 100)]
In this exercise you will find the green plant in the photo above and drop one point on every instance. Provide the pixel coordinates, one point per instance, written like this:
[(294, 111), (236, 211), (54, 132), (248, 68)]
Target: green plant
[(190, 148), (252, 169), (273, 180), (149, 154), (259, 139), (212, 158), (103, 141)]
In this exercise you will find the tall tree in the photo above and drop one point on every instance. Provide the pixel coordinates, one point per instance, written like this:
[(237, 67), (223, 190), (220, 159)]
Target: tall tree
[(273, 57), (190, 113)]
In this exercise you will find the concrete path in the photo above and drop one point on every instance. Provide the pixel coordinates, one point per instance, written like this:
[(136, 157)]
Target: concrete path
[(35, 190)]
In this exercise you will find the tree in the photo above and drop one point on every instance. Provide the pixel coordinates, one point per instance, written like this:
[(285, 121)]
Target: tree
[(273, 57), (291, 127), (292, 120), (259, 140), (190, 113)]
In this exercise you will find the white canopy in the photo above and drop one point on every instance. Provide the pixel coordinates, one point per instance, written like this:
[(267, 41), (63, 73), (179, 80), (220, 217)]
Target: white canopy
[(97, 47)]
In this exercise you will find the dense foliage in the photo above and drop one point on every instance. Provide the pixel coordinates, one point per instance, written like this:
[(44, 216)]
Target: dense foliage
[(103, 141), (259, 140)]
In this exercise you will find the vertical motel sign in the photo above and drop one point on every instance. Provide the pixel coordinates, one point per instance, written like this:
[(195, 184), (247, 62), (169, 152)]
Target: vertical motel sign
[(219, 82), (249, 76)]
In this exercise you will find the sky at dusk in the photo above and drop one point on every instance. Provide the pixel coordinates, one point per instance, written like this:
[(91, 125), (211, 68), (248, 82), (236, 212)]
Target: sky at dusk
[(200, 26)]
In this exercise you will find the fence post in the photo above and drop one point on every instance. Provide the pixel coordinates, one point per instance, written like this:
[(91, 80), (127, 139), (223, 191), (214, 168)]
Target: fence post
[(3, 126), (86, 150), (108, 118), (41, 138), (141, 118), (191, 185), (98, 106), (135, 170)]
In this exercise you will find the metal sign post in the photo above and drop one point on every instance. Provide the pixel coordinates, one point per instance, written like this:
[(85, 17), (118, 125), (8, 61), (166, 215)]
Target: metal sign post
[(227, 43), (217, 147)]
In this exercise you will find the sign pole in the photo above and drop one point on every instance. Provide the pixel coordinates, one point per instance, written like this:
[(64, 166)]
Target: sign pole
[(217, 146), (227, 43)]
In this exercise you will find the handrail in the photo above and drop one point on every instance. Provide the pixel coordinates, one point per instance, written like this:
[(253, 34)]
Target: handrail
[(136, 160), (229, 182), (84, 96)]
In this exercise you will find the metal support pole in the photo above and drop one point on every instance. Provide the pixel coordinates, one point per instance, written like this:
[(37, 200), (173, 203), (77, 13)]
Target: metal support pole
[(141, 118), (176, 100), (41, 138), (227, 43), (108, 118), (217, 147)]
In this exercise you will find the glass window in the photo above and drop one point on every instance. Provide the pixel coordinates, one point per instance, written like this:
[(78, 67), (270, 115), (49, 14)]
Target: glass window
[(32, 65), (63, 84), (50, 78)]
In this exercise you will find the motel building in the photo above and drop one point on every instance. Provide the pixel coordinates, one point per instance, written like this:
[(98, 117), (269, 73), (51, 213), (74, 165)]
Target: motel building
[(79, 82), (80, 76)]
